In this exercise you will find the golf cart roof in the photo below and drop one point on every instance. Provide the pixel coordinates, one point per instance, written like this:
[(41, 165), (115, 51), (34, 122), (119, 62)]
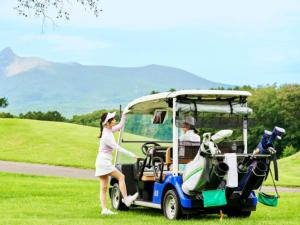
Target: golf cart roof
[(149, 103)]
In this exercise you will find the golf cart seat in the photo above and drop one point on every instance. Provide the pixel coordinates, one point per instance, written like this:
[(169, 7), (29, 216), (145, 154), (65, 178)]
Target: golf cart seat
[(231, 147), (187, 150), (149, 176)]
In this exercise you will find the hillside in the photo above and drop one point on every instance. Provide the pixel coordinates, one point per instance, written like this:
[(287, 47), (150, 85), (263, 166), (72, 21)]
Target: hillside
[(289, 171), (51, 143), (75, 145), (71, 88)]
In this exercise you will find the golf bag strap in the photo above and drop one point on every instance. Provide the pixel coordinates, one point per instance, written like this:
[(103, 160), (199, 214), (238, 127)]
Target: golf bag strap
[(206, 172), (274, 183), (207, 164), (274, 158)]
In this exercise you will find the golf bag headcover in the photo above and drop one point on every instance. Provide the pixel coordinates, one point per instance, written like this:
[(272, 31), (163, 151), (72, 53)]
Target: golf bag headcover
[(268, 139)]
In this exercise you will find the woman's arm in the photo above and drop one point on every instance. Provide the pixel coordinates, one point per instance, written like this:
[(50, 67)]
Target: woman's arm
[(110, 141), (123, 150), (120, 125)]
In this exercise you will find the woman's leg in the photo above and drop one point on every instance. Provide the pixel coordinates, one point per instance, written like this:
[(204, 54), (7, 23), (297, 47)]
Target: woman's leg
[(103, 189), (121, 178)]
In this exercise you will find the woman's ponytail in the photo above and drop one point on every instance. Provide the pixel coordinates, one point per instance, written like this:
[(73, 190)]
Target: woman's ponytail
[(101, 130), (102, 119)]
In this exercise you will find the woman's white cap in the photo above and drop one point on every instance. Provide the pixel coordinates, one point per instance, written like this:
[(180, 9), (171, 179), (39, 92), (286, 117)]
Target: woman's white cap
[(190, 120), (108, 117)]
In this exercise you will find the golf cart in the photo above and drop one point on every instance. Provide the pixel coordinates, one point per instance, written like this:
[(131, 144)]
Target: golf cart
[(188, 177)]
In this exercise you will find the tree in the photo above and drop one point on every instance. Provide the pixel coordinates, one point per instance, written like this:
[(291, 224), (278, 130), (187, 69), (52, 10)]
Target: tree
[(276, 106), (42, 8), (289, 150), (93, 118), (3, 102), (48, 116), (154, 92)]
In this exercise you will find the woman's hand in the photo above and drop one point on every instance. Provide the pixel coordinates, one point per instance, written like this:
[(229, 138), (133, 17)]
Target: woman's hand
[(126, 110)]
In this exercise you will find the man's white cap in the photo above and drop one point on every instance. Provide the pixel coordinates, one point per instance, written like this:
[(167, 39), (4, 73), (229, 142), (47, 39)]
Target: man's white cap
[(190, 120), (108, 117)]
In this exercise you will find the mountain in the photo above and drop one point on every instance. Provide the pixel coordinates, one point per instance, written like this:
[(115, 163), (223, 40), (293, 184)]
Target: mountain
[(71, 88)]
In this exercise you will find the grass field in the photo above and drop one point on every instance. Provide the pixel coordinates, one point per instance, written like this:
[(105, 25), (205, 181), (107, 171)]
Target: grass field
[(289, 171), (48, 200), (67, 144), (51, 143)]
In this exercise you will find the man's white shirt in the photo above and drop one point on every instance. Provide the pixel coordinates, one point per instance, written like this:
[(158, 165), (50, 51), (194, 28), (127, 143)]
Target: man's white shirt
[(190, 135)]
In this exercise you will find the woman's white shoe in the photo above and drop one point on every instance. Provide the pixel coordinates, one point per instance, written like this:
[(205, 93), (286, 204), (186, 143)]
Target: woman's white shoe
[(130, 199), (107, 212)]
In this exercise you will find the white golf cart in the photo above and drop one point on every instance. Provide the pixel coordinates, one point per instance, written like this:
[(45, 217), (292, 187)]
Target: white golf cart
[(153, 129)]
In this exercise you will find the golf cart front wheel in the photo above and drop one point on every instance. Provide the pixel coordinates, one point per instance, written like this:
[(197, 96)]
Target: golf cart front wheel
[(116, 198), (171, 205)]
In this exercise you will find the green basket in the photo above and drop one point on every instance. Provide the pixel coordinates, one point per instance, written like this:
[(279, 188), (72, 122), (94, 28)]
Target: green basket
[(269, 200), (213, 198)]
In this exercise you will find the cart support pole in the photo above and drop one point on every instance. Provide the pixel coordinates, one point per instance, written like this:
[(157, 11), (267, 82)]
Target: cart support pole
[(245, 134), (117, 155), (175, 140)]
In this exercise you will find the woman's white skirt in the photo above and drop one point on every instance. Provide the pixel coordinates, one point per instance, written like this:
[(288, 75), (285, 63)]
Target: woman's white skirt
[(104, 164)]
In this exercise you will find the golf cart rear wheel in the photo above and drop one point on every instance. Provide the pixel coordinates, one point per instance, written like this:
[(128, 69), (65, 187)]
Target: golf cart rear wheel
[(116, 198), (239, 214), (171, 205)]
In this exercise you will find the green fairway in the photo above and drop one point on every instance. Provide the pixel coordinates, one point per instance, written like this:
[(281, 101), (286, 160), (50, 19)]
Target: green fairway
[(67, 144), (48, 142), (48, 200), (51, 143), (289, 171)]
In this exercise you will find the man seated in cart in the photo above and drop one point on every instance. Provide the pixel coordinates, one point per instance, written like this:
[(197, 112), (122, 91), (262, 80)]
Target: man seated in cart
[(190, 133), (189, 141)]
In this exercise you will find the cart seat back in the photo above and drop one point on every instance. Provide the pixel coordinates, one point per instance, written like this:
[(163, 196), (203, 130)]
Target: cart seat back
[(187, 150), (149, 176)]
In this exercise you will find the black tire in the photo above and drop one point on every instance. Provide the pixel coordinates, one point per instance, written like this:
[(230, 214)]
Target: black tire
[(171, 205), (239, 214), (116, 198)]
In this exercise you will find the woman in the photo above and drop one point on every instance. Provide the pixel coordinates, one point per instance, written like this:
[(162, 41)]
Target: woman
[(104, 167)]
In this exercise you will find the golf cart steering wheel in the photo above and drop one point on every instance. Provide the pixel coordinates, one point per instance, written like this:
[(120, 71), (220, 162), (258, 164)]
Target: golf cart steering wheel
[(148, 145)]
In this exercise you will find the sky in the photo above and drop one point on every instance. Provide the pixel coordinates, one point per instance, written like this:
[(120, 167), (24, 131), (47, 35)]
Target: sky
[(236, 42)]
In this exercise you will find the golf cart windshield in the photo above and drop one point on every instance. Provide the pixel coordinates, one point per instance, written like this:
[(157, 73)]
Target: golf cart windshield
[(142, 127)]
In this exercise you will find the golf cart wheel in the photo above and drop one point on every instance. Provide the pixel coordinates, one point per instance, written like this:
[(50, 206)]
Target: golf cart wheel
[(116, 198), (171, 205), (239, 214)]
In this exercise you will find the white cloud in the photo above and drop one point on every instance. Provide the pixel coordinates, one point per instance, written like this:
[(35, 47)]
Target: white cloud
[(68, 43), (159, 14), (143, 14)]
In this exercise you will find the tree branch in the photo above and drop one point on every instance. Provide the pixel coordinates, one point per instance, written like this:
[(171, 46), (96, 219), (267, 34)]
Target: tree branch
[(41, 8)]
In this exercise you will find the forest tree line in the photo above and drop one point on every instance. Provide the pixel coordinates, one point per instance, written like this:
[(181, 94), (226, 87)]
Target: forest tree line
[(272, 106)]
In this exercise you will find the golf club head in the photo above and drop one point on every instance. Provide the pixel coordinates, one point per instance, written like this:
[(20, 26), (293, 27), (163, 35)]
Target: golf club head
[(267, 133), (279, 131)]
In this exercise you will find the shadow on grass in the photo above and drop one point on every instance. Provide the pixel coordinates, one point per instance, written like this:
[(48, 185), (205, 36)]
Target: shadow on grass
[(138, 211)]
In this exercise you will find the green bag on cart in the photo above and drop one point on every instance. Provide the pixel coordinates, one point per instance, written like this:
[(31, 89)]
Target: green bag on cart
[(213, 198), (269, 200), (266, 199)]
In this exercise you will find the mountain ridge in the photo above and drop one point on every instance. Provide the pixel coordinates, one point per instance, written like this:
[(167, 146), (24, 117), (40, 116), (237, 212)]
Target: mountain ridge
[(73, 88)]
